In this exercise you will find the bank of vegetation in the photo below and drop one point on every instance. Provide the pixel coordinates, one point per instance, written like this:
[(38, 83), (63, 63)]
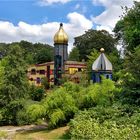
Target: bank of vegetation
[(106, 110)]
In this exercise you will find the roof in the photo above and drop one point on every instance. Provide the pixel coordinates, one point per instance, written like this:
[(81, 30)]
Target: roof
[(61, 37), (102, 63)]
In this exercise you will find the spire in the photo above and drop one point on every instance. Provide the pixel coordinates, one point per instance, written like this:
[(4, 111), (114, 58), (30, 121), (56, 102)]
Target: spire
[(102, 62)]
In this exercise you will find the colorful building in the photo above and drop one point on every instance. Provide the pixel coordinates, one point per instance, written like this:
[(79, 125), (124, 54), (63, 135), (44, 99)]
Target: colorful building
[(101, 66), (73, 71), (56, 70)]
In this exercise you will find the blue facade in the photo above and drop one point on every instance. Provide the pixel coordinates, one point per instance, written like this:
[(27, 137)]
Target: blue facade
[(96, 76)]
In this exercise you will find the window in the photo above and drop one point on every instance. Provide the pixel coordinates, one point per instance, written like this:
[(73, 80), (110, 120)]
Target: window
[(79, 69), (33, 71), (42, 72), (31, 79), (38, 80), (107, 76)]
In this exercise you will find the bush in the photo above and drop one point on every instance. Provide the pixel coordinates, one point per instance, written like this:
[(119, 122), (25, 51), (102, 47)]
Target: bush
[(9, 112), (37, 93), (45, 82), (99, 94), (60, 107), (116, 122), (31, 114)]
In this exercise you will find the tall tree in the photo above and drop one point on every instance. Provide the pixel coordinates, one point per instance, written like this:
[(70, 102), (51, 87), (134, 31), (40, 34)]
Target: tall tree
[(14, 85), (74, 54), (93, 39), (127, 28), (33, 53)]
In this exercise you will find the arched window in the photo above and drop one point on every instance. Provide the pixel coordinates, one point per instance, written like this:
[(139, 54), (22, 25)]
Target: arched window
[(107, 76), (33, 71), (38, 80)]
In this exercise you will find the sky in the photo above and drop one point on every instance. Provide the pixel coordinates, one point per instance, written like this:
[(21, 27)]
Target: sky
[(38, 20)]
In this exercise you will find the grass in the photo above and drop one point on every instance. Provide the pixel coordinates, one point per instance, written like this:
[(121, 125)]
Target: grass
[(59, 133), (3, 135)]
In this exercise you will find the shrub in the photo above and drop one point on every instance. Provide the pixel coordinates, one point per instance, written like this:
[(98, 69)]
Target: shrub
[(99, 94), (60, 107), (31, 114), (9, 112), (114, 122), (45, 83), (37, 93)]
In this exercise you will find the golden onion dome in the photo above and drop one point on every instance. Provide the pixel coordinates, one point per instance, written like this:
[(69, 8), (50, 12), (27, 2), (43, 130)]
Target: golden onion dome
[(61, 37)]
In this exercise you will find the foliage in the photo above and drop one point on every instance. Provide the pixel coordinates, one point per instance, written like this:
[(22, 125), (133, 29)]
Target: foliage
[(130, 78), (99, 94), (93, 39), (128, 28), (9, 112), (33, 53), (30, 114), (60, 107), (76, 91), (62, 103), (14, 84), (74, 54), (44, 55), (114, 122), (45, 82), (37, 93)]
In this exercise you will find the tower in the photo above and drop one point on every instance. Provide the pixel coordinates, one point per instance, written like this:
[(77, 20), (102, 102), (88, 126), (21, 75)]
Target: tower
[(60, 53), (101, 66)]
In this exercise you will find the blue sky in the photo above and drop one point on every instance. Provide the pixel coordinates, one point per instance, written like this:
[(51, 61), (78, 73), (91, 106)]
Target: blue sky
[(32, 12), (38, 20)]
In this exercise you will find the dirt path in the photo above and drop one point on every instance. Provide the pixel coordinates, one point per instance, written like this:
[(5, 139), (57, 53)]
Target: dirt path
[(11, 130)]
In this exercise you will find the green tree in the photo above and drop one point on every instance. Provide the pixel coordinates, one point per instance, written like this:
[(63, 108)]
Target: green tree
[(74, 54), (93, 39), (127, 28), (130, 77), (44, 55), (15, 83)]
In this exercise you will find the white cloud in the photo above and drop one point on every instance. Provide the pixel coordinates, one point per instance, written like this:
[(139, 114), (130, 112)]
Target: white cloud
[(112, 12), (104, 28), (44, 33), (50, 2)]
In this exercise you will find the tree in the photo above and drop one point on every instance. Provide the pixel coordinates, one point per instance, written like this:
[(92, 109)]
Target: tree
[(130, 78), (94, 39), (44, 55), (33, 53), (128, 27), (15, 83), (74, 54)]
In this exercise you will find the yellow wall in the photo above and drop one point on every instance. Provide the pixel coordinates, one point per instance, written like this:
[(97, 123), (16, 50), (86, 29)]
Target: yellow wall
[(70, 71)]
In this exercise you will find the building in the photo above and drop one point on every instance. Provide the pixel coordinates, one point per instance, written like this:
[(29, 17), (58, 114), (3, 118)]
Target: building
[(60, 68), (101, 66)]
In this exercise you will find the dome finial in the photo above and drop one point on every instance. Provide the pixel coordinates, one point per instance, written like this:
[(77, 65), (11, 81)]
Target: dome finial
[(61, 24), (102, 50)]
